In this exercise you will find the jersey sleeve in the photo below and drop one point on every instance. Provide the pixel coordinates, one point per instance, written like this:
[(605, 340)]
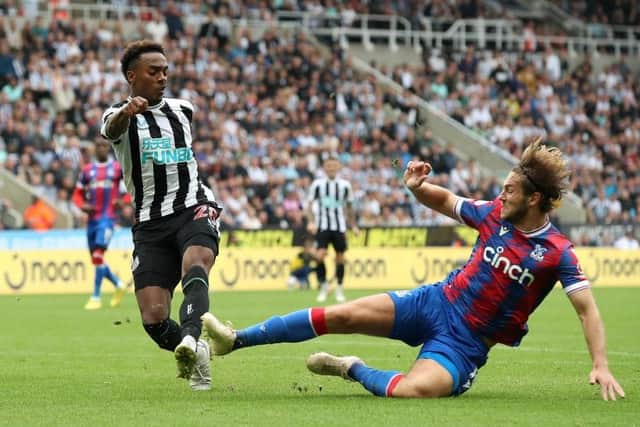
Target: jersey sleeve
[(103, 127), (186, 108), (472, 212), (311, 196), (570, 273), (350, 199), (82, 181)]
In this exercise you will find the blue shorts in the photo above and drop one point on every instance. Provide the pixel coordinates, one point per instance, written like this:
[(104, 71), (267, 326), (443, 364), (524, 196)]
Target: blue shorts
[(99, 233), (302, 273), (424, 316)]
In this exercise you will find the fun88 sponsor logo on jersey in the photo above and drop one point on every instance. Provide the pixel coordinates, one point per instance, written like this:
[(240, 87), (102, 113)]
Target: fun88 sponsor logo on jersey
[(493, 257), (162, 152)]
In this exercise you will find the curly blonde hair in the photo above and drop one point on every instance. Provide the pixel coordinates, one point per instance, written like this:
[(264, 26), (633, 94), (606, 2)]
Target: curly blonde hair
[(545, 170)]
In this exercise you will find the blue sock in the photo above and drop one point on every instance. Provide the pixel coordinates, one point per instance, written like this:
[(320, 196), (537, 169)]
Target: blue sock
[(97, 281), (294, 327), (109, 275), (380, 383)]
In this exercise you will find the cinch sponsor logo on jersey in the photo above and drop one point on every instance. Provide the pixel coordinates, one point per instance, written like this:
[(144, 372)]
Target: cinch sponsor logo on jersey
[(162, 152), (494, 259)]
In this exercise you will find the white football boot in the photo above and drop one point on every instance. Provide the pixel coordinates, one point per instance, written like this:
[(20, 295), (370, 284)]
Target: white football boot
[(328, 364), (222, 336), (185, 354), (201, 377), (324, 291)]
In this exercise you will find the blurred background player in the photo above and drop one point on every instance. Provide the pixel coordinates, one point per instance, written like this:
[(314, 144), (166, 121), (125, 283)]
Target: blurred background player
[(98, 193), (301, 266), (330, 211)]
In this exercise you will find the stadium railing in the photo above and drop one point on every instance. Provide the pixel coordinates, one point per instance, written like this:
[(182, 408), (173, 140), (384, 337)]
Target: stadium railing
[(391, 30), (495, 34)]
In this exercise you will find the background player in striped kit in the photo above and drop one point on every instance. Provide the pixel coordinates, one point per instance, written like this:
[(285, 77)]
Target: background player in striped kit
[(329, 212), (176, 233), (517, 259), (98, 193)]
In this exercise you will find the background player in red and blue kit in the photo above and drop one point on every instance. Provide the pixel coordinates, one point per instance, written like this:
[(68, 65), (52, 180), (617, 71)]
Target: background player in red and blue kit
[(517, 259), (98, 193)]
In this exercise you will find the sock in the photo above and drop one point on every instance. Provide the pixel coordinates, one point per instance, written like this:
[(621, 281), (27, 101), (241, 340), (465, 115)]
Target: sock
[(110, 275), (195, 286), (340, 273), (97, 280), (380, 383), (321, 273), (166, 334), (298, 326)]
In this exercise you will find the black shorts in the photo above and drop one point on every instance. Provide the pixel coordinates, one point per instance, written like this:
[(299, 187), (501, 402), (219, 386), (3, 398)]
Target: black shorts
[(158, 245), (337, 239)]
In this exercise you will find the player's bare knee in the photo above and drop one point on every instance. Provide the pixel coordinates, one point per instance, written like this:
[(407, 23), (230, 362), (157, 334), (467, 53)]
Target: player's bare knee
[(411, 389), (203, 258), (154, 313), (341, 317)]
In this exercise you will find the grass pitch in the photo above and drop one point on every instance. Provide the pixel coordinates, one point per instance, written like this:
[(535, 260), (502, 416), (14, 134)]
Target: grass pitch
[(61, 365)]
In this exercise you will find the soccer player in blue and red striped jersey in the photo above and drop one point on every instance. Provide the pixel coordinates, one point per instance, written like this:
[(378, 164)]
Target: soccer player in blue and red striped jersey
[(517, 259), (98, 193)]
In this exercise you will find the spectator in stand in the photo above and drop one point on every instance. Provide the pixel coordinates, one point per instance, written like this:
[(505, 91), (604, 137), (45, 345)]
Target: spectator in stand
[(39, 216), (627, 241)]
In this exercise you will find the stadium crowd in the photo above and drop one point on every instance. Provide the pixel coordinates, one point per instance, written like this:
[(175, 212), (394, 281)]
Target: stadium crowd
[(599, 13), (267, 110), (593, 117)]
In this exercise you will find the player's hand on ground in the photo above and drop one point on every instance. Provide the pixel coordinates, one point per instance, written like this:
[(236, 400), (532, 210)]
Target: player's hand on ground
[(416, 173), (135, 106), (609, 387)]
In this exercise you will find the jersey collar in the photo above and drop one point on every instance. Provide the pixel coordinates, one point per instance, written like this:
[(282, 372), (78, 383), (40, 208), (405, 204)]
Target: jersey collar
[(153, 107), (537, 231)]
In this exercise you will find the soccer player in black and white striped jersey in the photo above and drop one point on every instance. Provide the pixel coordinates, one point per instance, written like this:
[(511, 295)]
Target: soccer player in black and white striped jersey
[(176, 233), (330, 211)]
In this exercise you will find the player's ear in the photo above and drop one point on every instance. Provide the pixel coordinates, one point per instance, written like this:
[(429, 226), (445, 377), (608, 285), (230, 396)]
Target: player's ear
[(131, 76), (536, 198)]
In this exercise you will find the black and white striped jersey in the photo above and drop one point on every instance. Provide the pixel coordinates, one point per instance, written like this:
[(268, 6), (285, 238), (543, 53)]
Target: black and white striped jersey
[(329, 198), (160, 170)]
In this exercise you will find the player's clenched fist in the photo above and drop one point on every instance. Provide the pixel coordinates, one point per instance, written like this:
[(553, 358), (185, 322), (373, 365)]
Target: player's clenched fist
[(137, 105), (416, 173)]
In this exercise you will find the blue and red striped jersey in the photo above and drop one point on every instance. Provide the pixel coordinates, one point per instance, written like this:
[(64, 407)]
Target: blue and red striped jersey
[(509, 272), (99, 184)]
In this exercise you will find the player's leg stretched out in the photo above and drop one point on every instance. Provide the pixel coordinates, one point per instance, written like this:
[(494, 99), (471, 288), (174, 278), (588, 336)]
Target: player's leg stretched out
[(434, 374)]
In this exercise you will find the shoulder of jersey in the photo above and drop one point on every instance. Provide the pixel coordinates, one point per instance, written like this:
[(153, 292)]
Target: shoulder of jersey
[(556, 238), (179, 102), (119, 104)]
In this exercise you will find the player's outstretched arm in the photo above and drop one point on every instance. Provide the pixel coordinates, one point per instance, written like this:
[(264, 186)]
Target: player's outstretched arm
[(593, 329), (433, 196), (118, 123)]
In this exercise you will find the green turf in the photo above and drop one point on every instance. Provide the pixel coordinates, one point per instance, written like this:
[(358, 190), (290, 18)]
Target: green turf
[(61, 365)]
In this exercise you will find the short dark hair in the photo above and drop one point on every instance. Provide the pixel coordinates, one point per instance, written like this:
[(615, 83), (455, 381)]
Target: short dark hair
[(134, 50), (331, 155)]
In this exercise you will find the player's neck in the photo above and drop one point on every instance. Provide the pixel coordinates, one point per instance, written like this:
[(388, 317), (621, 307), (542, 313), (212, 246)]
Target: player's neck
[(532, 223)]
